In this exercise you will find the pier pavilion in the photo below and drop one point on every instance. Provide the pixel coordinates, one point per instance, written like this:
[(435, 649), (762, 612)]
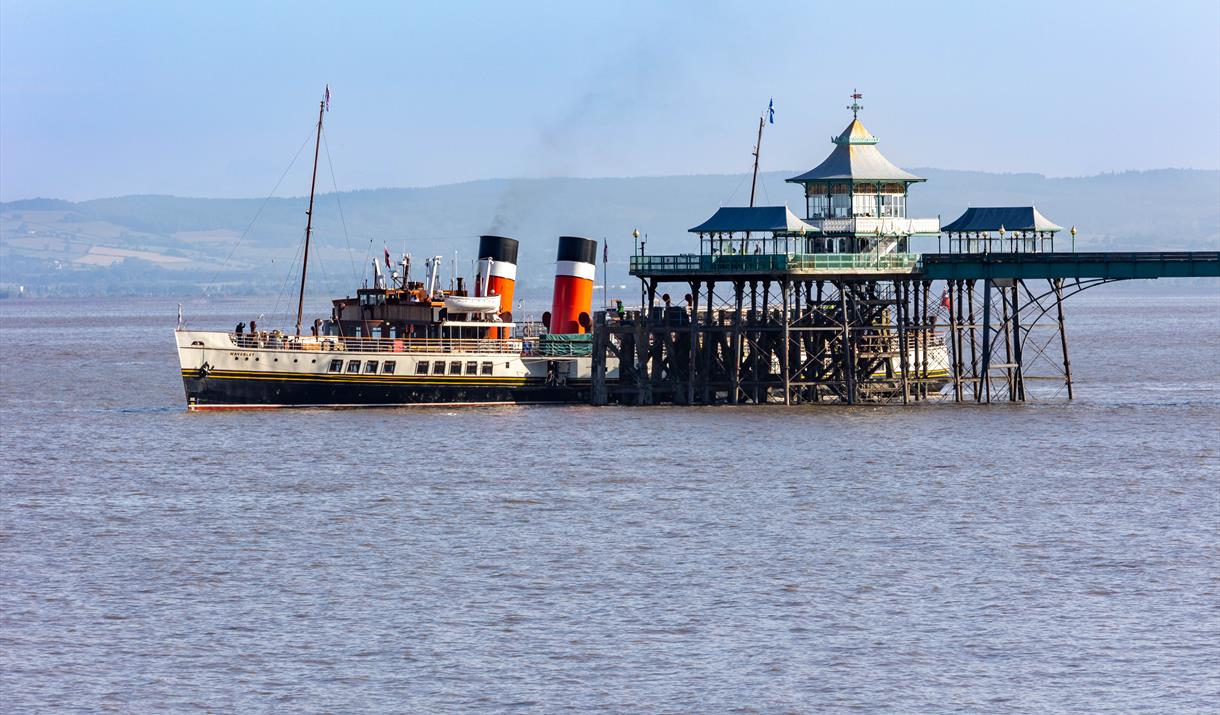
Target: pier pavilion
[(857, 199)]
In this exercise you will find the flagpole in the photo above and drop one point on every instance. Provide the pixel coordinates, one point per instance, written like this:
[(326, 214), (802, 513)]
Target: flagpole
[(605, 274), (309, 214)]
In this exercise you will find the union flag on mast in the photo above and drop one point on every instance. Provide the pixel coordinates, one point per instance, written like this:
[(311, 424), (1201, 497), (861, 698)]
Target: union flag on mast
[(326, 98)]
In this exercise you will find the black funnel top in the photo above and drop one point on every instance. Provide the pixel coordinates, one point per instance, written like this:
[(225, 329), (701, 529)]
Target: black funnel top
[(574, 248), (498, 248)]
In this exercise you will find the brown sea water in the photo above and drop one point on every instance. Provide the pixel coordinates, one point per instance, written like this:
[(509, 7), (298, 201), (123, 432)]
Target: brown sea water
[(1047, 557)]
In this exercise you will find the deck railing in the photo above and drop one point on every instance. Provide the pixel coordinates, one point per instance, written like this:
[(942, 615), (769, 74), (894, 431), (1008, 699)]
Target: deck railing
[(273, 341)]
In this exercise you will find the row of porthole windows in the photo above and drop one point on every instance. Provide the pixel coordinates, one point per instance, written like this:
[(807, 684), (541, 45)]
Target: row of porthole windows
[(370, 367), (423, 367), (239, 359)]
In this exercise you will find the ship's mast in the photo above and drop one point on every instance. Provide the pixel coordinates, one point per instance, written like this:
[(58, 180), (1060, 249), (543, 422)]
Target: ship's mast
[(309, 214), (757, 149)]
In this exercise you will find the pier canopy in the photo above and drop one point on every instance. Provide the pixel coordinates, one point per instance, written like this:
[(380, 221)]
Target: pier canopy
[(730, 231), (855, 158), (1016, 229), (734, 219)]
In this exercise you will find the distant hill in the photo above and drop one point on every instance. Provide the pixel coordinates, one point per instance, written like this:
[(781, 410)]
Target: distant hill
[(179, 246)]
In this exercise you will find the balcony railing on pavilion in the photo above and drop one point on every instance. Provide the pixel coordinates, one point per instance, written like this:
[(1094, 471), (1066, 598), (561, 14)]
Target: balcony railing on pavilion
[(885, 226)]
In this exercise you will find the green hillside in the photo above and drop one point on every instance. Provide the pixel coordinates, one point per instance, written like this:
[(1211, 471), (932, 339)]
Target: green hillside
[(180, 246)]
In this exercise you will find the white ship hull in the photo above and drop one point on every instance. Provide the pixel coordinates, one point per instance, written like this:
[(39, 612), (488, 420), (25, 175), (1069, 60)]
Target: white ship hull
[(222, 370)]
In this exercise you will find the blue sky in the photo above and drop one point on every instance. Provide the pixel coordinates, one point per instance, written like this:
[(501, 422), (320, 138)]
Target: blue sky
[(213, 99)]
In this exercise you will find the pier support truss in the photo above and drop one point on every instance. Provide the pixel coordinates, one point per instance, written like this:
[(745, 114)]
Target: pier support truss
[(795, 339)]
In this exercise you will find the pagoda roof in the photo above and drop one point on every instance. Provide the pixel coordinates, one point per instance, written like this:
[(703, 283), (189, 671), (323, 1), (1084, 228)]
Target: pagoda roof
[(1011, 218), (855, 158), (730, 219)]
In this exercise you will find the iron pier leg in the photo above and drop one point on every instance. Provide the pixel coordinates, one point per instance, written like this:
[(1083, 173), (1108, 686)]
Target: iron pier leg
[(914, 327), (755, 332), (1019, 371), (784, 366), (901, 290), (1063, 338), (735, 367), (820, 343), (1007, 325), (985, 372), (923, 337), (708, 346), (954, 341), (694, 343), (848, 357), (973, 332)]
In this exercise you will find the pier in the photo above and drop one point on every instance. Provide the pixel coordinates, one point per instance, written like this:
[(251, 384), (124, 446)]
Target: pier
[(835, 307)]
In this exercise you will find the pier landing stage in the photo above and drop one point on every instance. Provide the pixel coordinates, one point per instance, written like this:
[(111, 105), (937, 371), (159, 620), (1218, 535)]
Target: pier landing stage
[(931, 266)]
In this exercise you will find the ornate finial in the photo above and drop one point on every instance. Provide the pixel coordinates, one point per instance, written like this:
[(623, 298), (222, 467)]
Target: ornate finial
[(855, 103)]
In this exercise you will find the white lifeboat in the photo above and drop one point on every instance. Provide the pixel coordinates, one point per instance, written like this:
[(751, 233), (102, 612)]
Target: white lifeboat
[(472, 304)]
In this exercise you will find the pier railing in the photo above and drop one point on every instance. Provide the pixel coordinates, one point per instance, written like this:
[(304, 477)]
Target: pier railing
[(775, 263), (1035, 265)]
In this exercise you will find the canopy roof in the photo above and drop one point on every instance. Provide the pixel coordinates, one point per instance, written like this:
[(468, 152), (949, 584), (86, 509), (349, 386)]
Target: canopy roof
[(855, 158), (730, 219), (1012, 218)]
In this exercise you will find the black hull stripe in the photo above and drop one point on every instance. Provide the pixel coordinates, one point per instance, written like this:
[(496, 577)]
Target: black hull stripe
[(237, 392)]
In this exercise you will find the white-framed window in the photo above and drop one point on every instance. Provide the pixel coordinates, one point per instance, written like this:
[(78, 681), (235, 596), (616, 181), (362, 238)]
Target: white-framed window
[(893, 205)]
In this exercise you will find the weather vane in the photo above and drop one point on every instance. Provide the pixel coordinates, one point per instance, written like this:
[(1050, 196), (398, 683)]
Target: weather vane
[(855, 104)]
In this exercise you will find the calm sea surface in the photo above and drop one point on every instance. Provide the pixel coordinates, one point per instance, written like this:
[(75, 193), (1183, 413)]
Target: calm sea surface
[(1049, 557)]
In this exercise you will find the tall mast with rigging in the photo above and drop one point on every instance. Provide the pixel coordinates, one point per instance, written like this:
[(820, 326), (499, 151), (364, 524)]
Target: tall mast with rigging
[(322, 106), (770, 113)]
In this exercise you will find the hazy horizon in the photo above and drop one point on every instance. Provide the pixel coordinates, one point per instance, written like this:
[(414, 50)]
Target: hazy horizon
[(181, 100), (509, 179)]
